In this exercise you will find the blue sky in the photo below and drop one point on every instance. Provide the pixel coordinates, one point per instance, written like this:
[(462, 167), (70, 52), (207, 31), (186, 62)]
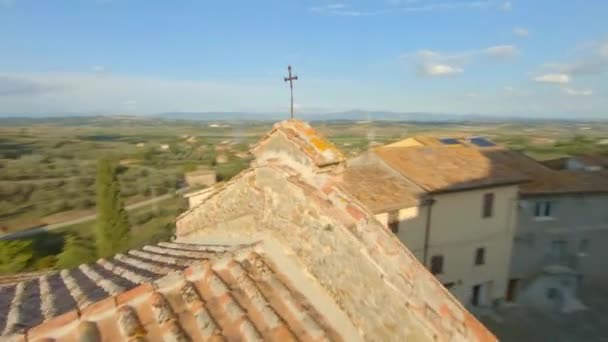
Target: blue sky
[(536, 58)]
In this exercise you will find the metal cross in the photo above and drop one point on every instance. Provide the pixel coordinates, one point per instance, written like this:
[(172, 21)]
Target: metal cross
[(291, 79)]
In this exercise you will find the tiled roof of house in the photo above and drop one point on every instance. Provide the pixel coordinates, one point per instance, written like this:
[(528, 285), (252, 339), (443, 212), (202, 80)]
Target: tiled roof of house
[(319, 149), (379, 189), (587, 160), (546, 180), (592, 160), (30, 302), (238, 297), (443, 169), (11, 279), (461, 165), (444, 141), (555, 164)]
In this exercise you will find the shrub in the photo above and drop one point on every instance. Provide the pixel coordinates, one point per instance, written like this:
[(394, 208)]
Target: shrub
[(15, 255), (76, 251)]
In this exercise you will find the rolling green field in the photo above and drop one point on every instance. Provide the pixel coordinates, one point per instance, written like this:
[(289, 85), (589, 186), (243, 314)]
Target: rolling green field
[(47, 166)]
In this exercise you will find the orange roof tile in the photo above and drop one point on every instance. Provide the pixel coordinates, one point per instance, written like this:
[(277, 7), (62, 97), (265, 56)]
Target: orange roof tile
[(544, 180), (29, 302), (437, 167), (237, 297), (379, 189), (592, 160), (440, 169)]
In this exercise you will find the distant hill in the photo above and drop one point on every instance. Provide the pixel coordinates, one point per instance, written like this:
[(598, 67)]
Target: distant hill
[(351, 115)]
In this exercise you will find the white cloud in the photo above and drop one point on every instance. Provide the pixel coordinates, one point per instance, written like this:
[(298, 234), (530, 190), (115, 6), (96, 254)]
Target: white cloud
[(440, 70), (343, 10), (593, 60), (444, 6), (336, 6), (501, 51), (83, 92), (553, 78), (98, 68), (506, 6), (578, 92), (521, 32), (15, 86), (604, 50), (434, 63), (399, 6), (471, 94)]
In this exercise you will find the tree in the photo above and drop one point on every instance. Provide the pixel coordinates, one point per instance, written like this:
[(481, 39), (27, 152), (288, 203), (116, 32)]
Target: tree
[(15, 255), (112, 229), (76, 251)]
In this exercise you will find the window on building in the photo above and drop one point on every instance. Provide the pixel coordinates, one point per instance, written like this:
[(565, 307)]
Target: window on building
[(480, 256), (552, 293), (488, 204), (559, 248), (542, 209), (394, 226), (583, 246), (437, 264), (393, 221)]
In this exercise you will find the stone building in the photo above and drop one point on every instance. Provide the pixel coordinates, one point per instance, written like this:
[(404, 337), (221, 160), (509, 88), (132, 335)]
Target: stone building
[(552, 213), (279, 253), (562, 224), (451, 202), (201, 177)]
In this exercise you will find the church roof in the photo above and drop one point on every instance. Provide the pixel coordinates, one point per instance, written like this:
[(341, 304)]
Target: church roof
[(238, 295), (29, 302), (319, 149)]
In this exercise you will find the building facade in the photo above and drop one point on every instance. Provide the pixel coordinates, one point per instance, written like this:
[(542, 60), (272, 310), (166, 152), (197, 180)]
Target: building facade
[(461, 214), (562, 228)]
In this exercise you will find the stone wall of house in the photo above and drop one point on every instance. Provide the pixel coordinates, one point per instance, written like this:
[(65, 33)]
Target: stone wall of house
[(200, 178), (579, 221)]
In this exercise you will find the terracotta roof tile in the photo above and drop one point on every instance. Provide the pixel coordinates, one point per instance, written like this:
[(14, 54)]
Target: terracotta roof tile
[(32, 301), (379, 189), (8, 279), (593, 160), (439, 169), (238, 296), (545, 180)]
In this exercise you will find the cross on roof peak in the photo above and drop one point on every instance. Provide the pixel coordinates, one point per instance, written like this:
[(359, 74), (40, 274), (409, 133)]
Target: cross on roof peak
[(291, 78)]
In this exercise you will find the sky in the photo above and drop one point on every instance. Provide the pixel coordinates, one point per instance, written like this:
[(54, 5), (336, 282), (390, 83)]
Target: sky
[(533, 58)]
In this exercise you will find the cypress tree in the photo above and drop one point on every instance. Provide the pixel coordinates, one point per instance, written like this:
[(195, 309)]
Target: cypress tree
[(112, 228)]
